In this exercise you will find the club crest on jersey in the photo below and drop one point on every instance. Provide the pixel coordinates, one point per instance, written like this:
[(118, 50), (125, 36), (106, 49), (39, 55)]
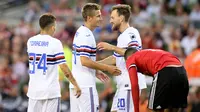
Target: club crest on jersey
[(88, 35), (126, 85), (132, 36)]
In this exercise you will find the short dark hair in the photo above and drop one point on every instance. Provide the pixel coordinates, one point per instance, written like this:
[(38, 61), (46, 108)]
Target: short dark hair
[(129, 52), (88, 10), (46, 20), (124, 10)]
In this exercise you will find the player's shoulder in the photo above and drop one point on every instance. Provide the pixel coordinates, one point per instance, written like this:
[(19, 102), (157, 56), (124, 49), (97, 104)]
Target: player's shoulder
[(33, 38), (82, 30), (40, 37), (50, 39), (84, 33), (132, 31)]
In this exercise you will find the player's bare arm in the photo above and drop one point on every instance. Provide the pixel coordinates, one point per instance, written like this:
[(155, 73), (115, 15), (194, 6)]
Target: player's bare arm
[(85, 61), (70, 77), (109, 47), (111, 60)]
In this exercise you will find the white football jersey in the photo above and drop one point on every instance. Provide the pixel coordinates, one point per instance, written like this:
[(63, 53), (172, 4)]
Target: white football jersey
[(84, 44), (45, 53), (129, 38)]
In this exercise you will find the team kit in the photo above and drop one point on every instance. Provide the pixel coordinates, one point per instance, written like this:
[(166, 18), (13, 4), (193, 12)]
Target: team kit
[(128, 65)]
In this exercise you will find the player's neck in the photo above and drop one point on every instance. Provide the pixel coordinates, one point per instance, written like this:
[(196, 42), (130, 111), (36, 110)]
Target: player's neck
[(123, 27), (89, 26), (43, 32)]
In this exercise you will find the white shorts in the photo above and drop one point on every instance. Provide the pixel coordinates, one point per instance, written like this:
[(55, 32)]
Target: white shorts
[(87, 102), (122, 101), (48, 105)]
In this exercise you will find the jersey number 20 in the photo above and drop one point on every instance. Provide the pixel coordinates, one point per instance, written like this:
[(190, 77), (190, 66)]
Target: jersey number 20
[(42, 64), (121, 102)]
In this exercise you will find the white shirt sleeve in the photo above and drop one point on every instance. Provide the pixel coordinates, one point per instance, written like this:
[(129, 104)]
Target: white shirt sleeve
[(59, 53), (134, 40), (85, 47)]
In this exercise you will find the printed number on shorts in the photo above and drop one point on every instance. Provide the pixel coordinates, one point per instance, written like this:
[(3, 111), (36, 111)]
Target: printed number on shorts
[(121, 102), (41, 64)]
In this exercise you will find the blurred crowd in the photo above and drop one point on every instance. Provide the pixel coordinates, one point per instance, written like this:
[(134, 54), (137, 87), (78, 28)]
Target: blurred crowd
[(171, 25)]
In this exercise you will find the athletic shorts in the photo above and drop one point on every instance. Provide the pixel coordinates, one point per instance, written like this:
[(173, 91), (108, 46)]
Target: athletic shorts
[(48, 105), (169, 89), (122, 101), (87, 102)]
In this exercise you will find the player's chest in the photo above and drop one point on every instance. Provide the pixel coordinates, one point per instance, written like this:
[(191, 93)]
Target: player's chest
[(121, 42)]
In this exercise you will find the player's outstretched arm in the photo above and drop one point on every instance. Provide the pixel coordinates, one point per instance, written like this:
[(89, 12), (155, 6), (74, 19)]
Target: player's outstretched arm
[(109, 47), (70, 77), (111, 60), (85, 61)]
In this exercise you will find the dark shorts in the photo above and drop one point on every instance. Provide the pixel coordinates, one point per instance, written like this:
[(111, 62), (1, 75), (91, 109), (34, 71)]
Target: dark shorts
[(169, 89)]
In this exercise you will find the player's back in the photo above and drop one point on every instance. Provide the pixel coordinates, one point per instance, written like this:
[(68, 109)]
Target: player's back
[(84, 44), (153, 60), (130, 37), (45, 53)]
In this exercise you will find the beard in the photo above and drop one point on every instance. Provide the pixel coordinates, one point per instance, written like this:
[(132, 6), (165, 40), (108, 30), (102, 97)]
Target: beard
[(115, 27)]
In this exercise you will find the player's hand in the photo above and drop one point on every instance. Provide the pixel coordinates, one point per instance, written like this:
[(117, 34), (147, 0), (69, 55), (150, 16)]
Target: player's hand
[(102, 76), (113, 70), (104, 46), (77, 91)]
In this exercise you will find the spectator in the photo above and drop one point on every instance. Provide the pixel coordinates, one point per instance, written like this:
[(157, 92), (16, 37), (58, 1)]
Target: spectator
[(189, 42), (31, 12), (175, 45), (195, 14)]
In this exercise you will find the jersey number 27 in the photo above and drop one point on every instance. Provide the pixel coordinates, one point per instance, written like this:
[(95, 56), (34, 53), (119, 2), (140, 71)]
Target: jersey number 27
[(41, 64)]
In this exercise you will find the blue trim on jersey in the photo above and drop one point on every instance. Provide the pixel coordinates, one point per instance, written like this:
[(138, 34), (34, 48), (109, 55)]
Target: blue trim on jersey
[(84, 46), (92, 100), (74, 45), (117, 55), (38, 54), (133, 41), (58, 62), (32, 61), (53, 55), (83, 53), (36, 61), (128, 98)]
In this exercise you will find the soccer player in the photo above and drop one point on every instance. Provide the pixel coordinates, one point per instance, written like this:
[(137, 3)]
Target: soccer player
[(129, 37), (84, 62), (170, 84), (45, 54)]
